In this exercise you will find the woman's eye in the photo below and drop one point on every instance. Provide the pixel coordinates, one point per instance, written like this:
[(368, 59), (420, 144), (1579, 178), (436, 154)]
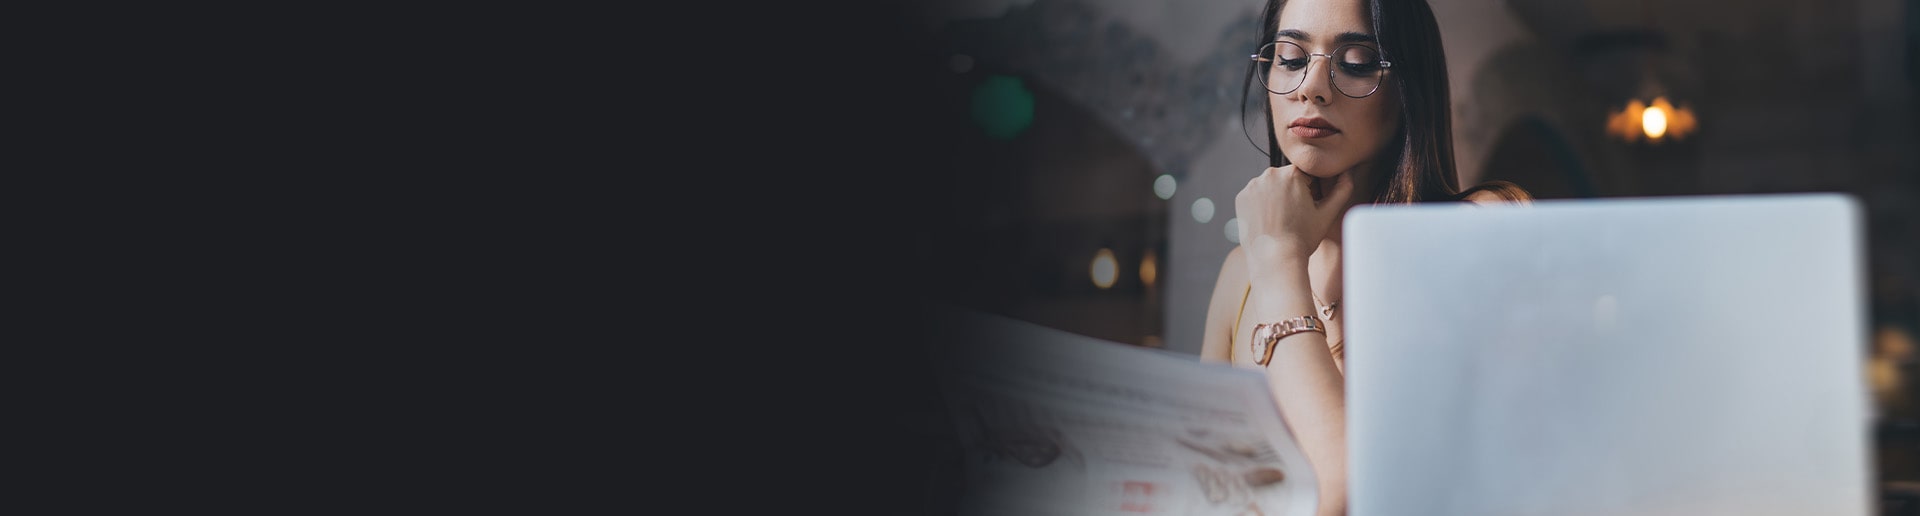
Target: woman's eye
[(1359, 68), (1293, 64)]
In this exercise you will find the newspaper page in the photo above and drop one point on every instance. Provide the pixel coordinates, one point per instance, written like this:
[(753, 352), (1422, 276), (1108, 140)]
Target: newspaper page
[(1054, 423)]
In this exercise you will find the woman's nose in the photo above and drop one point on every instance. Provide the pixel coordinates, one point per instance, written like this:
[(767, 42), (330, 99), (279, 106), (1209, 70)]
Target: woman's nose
[(1317, 87)]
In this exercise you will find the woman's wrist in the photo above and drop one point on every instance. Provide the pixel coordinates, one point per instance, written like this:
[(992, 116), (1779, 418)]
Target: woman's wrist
[(1277, 271), (1268, 253)]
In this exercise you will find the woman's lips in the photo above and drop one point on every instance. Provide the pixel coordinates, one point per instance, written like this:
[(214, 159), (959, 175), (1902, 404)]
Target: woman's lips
[(1311, 132), (1311, 128)]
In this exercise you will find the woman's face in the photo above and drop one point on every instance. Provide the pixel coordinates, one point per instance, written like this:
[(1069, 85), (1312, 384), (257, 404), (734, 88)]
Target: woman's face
[(1321, 130)]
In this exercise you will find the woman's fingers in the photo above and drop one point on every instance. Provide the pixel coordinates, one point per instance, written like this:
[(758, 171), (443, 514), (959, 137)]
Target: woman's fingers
[(1341, 191), (1279, 177)]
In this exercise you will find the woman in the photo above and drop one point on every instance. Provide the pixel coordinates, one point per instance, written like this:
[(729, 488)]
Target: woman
[(1357, 111)]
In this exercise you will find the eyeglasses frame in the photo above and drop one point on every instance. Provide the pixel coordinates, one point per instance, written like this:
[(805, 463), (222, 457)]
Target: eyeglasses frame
[(1385, 66)]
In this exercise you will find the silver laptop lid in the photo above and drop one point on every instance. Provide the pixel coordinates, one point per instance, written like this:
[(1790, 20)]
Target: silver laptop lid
[(1685, 356)]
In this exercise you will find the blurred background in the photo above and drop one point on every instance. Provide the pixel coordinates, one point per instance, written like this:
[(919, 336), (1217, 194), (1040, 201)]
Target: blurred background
[(1091, 150)]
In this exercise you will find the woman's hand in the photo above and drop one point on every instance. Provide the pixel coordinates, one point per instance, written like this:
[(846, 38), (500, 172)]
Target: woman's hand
[(1285, 213)]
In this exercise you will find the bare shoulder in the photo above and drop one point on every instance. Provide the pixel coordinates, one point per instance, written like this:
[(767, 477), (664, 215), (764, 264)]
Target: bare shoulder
[(1235, 264), (1232, 281), (1485, 197), (1224, 306), (1233, 275), (1494, 192)]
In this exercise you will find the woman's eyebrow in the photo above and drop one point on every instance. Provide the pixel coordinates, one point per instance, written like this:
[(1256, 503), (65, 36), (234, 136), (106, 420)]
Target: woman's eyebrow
[(1344, 37)]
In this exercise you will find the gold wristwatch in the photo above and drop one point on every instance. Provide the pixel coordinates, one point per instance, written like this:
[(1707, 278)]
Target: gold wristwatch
[(1266, 336)]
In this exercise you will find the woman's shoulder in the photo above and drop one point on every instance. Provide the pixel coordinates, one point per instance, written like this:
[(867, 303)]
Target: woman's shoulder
[(1233, 275), (1224, 307), (1235, 266), (1495, 192)]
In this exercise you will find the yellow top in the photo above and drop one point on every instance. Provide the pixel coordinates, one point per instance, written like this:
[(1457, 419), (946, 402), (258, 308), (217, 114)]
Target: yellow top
[(1236, 318)]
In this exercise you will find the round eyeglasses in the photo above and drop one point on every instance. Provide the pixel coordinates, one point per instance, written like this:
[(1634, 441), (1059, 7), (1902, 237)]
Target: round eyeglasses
[(1355, 69)]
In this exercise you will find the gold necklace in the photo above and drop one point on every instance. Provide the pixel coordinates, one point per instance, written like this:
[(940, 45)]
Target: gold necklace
[(1326, 310)]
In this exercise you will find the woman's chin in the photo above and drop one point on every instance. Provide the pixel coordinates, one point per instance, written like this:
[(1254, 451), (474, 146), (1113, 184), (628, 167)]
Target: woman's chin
[(1320, 169)]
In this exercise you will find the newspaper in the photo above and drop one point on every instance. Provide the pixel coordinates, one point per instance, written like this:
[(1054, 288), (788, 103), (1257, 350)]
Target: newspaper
[(1054, 423)]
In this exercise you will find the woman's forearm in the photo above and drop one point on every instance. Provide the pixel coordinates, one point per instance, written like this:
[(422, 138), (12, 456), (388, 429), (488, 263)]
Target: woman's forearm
[(1305, 382)]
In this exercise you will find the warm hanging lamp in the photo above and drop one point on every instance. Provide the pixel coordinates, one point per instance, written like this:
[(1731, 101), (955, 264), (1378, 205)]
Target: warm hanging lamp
[(1654, 121), (1654, 114)]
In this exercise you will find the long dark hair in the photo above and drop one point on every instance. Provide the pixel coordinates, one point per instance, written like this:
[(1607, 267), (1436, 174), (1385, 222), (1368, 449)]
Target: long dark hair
[(1410, 37)]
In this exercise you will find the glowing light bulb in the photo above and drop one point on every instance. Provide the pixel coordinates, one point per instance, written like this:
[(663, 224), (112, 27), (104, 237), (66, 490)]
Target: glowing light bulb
[(1149, 269), (1654, 120), (1105, 268)]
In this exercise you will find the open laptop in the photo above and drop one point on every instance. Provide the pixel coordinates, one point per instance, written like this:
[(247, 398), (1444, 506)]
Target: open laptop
[(1660, 356)]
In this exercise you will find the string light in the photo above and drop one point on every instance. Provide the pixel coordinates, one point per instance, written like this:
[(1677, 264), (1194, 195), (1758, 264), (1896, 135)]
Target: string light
[(1105, 268), (1149, 269)]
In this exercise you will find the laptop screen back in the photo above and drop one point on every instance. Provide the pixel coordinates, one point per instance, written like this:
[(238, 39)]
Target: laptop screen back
[(1683, 356)]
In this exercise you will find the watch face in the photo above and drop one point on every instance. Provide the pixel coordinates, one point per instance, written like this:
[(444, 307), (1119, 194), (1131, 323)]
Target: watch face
[(1260, 345)]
